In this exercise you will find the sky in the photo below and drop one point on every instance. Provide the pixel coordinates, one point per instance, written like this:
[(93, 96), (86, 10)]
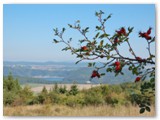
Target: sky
[(28, 28)]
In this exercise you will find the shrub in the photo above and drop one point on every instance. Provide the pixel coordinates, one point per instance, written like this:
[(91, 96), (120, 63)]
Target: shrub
[(74, 101), (8, 97), (93, 98), (27, 95), (40, 98), (11, 89), (54, 97), (63, 90), (73, 90), (104, 89)]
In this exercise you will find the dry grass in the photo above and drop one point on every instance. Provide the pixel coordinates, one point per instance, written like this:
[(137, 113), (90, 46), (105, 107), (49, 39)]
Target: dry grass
[(56, 110)]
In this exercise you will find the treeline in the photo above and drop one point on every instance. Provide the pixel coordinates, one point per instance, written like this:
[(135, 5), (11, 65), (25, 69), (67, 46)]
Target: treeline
[(123, 94)]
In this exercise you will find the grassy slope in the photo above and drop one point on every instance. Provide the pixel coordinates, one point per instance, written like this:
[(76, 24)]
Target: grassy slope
[(56, 110)]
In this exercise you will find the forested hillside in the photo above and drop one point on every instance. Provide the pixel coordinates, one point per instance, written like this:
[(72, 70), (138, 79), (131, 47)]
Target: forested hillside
[(50, 72)]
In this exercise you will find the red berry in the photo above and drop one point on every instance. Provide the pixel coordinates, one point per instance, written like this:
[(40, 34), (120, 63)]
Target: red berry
[(141, 34), (146, 34), (95, 74), (118, 32), (117, 63), (137, 79), (148, 37), (122, 31), (139, 58), (116, 40), (84, 48), (149, 31), (118, 68)]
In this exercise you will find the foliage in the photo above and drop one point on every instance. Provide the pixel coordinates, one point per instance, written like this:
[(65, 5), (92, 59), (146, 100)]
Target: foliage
[(113, 95), (73, 90), (63, 90), (43, 96), (11, 89), (93, 97)]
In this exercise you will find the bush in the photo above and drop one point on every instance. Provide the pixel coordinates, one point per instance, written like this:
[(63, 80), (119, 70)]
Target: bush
[(73, 90), (11, 89), (40, 99), (54, 97), (93, 98), (71, 101), (104, 89), (27, 95), (8, 97), (74, 101), (63, 90)]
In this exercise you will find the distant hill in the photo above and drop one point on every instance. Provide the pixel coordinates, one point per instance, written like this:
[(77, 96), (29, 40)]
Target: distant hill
[(60, 72), (43, 63)]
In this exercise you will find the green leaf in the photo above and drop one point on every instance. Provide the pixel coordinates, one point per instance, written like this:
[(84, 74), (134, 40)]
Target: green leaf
[(70, 25), (89, 64), (101, 43), (101, 12), (130, 29), (116, 74), (93, 64), (108, 57), (141, 105), (148, 109), (86, 29), (102, 74), (130, 68), (152, 40), (122, 73), (152, 80), (143, 78), (81, 41), (63, 29), (65, 49), (97, 35), (77, 62), (79, 56), (96, 14), (109, 70), (109, 16), (55, 41), (148, 103), (142, 110), (98, 27), (103, 35), (134, 70)]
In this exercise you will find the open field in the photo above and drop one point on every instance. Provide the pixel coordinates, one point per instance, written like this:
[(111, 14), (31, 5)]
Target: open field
[(56, 110), (38, 88)]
